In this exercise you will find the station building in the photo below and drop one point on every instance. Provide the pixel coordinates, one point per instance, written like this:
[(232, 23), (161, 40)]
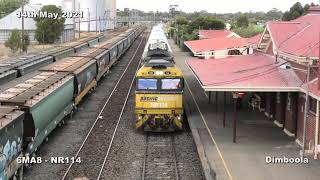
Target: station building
[(216, 48), (217, 44), (279, 77)]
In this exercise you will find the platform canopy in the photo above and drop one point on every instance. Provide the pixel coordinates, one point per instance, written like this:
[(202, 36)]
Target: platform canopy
[(215, 44), (252, 73)]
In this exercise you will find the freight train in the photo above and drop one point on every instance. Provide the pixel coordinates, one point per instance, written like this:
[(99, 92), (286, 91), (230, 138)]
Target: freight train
[(159, 87), (13, 68), (33, 105)]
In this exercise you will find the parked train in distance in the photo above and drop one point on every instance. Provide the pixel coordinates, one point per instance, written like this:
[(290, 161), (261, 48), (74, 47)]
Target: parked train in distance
[(159, 87), (33, 105)]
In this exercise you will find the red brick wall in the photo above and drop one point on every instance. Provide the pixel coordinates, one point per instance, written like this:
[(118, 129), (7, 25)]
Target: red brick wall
[(291, 113), (311, 124), (310, 130), (300, 120), (280, 107), (271, 104)]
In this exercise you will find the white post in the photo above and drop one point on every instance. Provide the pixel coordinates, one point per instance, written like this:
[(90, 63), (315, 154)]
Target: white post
[(97, 17), (89, 19), (317, 133), (79, 22), (306, 113)]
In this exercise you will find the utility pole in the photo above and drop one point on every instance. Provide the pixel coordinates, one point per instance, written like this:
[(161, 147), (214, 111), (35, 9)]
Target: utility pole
[(306, 109), (79, 21), (97, 17), (99, 24), (89, 19), (74, 20), (22, 24)]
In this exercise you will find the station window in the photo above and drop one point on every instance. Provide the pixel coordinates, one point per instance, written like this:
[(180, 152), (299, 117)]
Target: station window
[(312, 105)]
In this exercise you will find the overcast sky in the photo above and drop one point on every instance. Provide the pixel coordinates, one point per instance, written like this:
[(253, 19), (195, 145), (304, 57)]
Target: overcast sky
[(214, 6)]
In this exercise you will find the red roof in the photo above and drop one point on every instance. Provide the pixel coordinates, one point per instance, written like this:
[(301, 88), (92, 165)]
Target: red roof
[(299, 37), (256, 70), (314, 10), (216, 44), (208, 34), (255, 39)]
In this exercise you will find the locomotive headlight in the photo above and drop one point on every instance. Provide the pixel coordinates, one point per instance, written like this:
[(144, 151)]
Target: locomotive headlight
[(179, 117), (139, 117), (159, 73)]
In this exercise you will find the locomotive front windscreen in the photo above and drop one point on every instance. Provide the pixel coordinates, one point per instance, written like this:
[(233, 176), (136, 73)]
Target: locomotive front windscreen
[(147, 84), (160, 84), (171, 84)]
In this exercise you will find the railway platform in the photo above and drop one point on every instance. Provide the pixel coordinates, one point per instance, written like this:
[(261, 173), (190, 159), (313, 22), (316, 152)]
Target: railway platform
[(257, 138)]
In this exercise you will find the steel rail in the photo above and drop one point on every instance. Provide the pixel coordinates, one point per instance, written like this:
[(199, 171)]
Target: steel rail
[(120, 117), (101, 111), (174, 157)]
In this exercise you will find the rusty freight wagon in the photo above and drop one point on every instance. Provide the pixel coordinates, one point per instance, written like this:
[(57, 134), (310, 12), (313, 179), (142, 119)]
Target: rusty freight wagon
[(46, 98), (107, 53), (93, 40), (84, 71), (11, 133), (26, 64), (59, 52), (7, 74), (102, 57)]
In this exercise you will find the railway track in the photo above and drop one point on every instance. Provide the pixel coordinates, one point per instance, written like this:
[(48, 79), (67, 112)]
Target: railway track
[(160, 160), (95, 148)]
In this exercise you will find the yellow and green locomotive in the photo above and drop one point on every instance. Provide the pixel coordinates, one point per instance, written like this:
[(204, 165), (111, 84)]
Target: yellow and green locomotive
[(159, 96)]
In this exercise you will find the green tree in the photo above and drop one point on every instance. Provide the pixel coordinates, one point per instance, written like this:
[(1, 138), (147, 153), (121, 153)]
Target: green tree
[(249, 31), (207, 22), (296, 11), (243, 21), (48, 30), (306, 8), (14, 41), (297, 7), (181, 20), (274, 14), (26, 42), (287, 16), (8, 6)]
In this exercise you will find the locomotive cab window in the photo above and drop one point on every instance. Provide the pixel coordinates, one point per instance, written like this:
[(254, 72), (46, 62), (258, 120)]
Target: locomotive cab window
[(171, 84), (147, 84)]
